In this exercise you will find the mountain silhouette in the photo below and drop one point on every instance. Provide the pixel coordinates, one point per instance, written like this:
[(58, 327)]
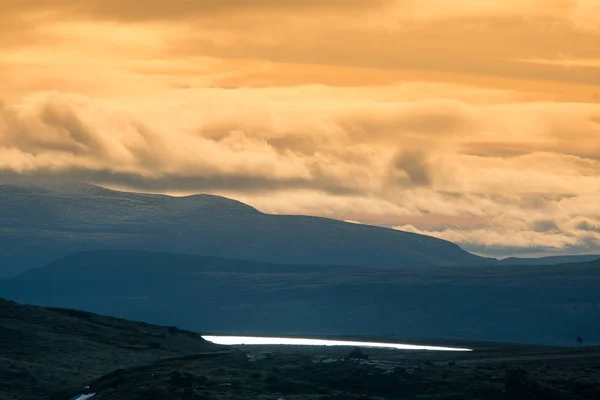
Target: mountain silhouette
[(40, 224)]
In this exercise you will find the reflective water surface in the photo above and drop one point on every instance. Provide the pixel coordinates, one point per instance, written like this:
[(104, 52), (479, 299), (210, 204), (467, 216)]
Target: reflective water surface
[(250, 340)]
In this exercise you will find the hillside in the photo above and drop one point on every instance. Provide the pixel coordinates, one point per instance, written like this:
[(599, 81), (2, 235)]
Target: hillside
[(44, 350), (537, 304), (40, 224), (492, 372), (61, 354)]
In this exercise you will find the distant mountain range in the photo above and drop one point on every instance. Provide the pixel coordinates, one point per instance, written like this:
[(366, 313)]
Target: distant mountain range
[(41, 224), (535, 304), (220, 265), (551, 260)]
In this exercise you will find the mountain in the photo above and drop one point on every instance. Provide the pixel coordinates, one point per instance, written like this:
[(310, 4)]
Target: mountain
[(45, 350), (551, 260), (41, 224), (538, 304)]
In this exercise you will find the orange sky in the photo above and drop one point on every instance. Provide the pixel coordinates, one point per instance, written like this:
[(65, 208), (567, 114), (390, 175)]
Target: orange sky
[(476, 121)]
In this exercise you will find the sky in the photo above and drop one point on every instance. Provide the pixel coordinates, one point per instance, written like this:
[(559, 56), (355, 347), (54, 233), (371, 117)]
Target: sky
[(475, 121)]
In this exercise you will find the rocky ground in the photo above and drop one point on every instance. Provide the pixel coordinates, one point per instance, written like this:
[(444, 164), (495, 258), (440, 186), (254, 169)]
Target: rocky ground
[(318, 373)]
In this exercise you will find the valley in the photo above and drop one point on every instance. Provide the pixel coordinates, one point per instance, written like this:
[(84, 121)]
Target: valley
[(59, 354)]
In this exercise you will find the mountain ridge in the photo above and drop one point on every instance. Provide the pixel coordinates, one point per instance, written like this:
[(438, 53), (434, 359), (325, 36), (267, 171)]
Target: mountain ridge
[(39, 224), (549, 260), (89, 217)]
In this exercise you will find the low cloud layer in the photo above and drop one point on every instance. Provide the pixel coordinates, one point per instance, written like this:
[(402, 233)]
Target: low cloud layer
[(383, 162)]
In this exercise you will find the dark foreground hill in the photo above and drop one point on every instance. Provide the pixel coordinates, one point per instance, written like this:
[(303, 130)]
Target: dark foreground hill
[(536, 304), (38, 225), (44, 350), (301, 373)]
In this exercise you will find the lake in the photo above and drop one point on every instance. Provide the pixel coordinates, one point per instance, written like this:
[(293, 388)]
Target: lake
[(257, 340)]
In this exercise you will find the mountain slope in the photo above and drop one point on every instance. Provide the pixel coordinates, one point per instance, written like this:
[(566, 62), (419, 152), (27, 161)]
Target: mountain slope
[(537, 304), (45, 350), (551, 260), (38, 225)]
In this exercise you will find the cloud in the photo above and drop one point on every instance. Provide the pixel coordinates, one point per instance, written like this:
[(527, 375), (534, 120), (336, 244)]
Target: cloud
[(402, 163), (566, 62), (501, 243), (350, 145), (177, 183), (78, 138), (414, 166), (495, 46), (478, 121), (527, 225), (130, 10), (580, 12), (467, 40), (352, 222)]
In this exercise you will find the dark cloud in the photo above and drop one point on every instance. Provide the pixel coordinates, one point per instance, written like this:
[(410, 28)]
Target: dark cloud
[(49, 129), (545, 225), (499, 149), (415, 166), (61, 137), (150, 10), (234, 182), (77, 134), (588, 226)]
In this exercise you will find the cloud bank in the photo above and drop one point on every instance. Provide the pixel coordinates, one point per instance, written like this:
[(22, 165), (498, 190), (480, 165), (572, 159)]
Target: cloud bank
[(477, 121), (370, 161)]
